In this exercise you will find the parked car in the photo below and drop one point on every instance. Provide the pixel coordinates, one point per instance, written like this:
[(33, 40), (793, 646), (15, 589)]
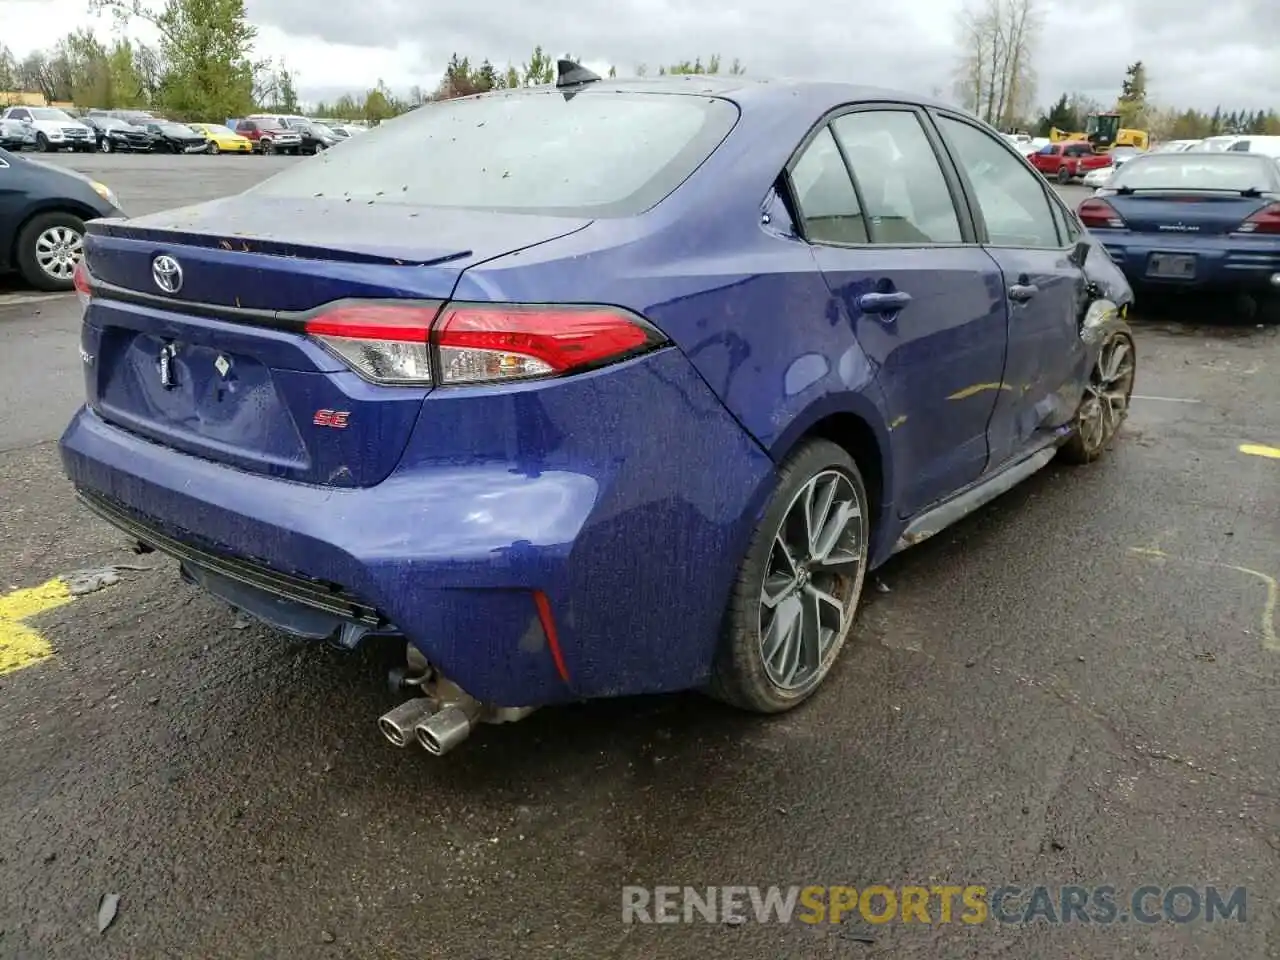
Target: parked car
[(53, 129), (315, 137), (43, 210), (222, 139), (139, 118), (1068, 160), (170, 137), (631, 404), (114, 135), (1100, 176), (1194, 220), (1257, 143), (16, 135), (269, 137)]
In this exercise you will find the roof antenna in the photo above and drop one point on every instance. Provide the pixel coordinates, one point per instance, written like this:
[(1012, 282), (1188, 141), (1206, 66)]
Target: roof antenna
[(570, 74)]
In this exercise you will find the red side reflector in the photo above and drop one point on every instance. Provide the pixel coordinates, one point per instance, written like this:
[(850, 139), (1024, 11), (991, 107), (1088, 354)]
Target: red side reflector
[(549, 628)]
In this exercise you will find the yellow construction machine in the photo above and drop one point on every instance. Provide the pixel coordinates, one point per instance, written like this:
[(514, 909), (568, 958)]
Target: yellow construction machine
[(1103, 130)]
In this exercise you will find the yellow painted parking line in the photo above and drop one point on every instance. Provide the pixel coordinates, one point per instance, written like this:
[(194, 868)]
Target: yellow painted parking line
[(1270, 638), (20, 644), (1257, 450)]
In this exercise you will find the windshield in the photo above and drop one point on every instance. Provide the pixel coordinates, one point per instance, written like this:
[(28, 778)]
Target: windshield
[(177, 129), (49, 113), (218, 130), (1190, 171), (592, 154)]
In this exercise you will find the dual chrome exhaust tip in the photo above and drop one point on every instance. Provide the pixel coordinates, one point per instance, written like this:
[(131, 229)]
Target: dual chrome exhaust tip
[(437, 729)]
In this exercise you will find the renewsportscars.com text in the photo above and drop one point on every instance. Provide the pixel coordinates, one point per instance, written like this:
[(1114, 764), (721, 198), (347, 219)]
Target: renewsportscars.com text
[(971, 904)]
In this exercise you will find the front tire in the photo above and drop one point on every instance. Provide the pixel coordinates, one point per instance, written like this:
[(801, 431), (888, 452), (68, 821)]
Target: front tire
[(797, 591), (267, 148), (213, 148), (1106, 399), (105, 146), (49, 247), (42, 143)]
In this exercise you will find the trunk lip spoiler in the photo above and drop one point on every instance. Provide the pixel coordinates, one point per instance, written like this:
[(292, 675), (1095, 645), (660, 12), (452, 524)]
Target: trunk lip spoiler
[(290, 320)]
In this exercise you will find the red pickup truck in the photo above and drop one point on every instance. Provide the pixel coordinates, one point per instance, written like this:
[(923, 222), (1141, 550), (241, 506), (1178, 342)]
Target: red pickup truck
[(1066, 161)]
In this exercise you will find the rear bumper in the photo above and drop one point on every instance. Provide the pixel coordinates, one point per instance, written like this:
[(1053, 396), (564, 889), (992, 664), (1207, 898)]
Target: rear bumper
[(624, 496), (1245, 262)]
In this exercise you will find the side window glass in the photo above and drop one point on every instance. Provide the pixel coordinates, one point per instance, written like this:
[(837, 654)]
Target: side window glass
[(1068, 232), (1011, 197), (1240, 146), (825, 195), (906, 196)]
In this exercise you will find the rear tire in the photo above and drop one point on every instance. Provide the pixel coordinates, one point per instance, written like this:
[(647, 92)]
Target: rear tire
[(796, 596), (1105, 405), (1064, 175), (48, 248)]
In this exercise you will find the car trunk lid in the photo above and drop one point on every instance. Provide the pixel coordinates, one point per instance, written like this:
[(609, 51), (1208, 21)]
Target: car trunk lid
[(1192, 213), (220, 367)]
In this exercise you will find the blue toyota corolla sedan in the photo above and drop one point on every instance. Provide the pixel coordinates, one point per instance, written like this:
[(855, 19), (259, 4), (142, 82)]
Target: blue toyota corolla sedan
[(1194, 220), (597, 388)]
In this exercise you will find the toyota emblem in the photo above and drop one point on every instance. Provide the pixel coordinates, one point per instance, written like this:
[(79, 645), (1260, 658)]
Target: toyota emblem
[(167, 273)]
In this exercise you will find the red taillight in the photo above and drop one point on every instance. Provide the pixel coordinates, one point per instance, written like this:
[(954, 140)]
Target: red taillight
[(477, 343), (384, 343), (1266, 220), (1095, 213), (84, 287), (483, 343)]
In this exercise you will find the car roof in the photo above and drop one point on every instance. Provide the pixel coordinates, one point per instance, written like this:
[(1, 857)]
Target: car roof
[(815, 95)]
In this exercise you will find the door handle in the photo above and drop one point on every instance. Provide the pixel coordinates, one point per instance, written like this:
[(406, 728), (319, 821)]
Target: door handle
[(1022, 292), (883, 302)]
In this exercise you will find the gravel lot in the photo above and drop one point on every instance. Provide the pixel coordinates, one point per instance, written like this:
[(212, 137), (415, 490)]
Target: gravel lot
[(1075, 686)]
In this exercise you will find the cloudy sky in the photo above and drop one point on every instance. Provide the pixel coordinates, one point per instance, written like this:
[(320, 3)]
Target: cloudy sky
[(1199, 53)]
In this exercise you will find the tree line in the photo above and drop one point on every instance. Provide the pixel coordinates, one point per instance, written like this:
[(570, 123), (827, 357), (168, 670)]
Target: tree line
[(463, 78), (203, 67), (995, 78)]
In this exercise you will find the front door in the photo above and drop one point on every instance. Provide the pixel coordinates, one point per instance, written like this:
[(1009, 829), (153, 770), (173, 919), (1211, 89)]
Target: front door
[(1043, 286), (923, 301)]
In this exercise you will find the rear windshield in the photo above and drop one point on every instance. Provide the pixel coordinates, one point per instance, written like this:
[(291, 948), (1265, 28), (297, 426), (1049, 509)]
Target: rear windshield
[(597, 153), (1191, 171)]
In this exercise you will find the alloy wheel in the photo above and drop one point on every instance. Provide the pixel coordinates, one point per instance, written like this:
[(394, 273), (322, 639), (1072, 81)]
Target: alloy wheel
[(812, 580), (58, 250), (1106, 397)]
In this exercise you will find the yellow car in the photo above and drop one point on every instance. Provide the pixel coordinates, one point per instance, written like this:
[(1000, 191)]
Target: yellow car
[(223, 139)]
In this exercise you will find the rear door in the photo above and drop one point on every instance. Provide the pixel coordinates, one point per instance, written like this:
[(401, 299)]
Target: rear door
[(922, 300), (1013, 211)]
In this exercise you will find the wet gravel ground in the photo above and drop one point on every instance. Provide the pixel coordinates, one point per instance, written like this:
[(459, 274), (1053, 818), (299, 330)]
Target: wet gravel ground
[(1078, 685)]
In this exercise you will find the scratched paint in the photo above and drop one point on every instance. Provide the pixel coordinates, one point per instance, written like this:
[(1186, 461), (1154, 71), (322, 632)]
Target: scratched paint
[(1257, 450), (21, 645), (977, 388), (1270, 639)]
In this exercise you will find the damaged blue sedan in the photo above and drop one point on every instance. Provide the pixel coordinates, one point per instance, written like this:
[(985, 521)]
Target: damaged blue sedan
[(598, 388)]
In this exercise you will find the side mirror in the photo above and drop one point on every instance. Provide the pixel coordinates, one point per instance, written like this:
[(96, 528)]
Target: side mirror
[(1080, 253)]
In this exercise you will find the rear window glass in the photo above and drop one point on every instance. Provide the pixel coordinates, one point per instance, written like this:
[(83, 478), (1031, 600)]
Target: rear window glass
[(1189, 171), (596, 154)]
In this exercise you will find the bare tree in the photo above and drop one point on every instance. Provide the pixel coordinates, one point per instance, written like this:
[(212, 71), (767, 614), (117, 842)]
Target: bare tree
[(996, 78)]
